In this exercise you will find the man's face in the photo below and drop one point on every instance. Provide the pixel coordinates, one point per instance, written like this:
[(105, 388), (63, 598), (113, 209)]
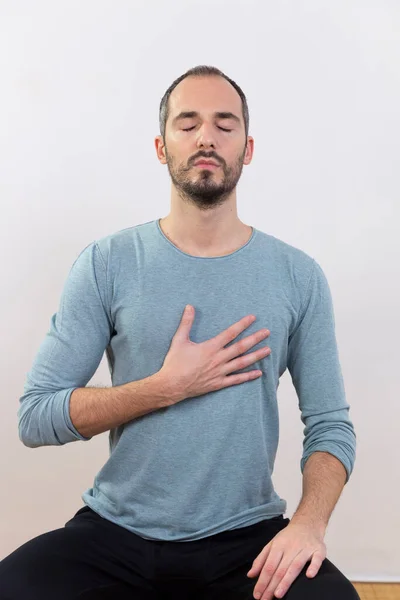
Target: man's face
[(205, 135)]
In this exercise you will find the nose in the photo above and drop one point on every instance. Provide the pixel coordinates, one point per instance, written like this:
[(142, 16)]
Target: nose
[(206, 136)]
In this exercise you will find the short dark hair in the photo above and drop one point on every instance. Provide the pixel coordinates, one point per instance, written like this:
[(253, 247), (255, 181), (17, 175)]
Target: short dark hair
[(200, 71)]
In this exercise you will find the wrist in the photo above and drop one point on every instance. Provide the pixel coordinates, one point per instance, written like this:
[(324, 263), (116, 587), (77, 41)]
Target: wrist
[(168, 391), (310, 522)]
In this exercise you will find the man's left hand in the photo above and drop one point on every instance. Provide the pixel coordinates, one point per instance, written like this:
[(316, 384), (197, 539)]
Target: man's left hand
[(282, 560)]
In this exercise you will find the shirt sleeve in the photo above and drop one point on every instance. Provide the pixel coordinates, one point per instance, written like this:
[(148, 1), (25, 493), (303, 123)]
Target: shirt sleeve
[(313, 362), (69, 354)]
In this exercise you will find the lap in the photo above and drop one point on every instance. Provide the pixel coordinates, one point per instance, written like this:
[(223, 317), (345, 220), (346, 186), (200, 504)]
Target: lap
[(91, 558)]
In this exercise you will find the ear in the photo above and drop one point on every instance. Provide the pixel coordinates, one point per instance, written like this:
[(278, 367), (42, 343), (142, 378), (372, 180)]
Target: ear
[(249, 150), (160, 149)]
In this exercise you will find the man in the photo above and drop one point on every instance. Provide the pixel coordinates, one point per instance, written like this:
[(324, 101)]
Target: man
[(185, 506)]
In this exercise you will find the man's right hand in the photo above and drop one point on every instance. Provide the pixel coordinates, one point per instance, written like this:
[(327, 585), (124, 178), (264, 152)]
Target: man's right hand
[(195, 369)]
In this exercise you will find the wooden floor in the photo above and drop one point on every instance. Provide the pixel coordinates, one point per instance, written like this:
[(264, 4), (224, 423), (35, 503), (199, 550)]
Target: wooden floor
[(378, 591)]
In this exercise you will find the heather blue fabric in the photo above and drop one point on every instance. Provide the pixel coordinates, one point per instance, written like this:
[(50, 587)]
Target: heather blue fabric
[(203, 465)]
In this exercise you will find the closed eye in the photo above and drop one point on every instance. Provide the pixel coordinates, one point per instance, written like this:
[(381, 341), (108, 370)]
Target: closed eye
[(190, 128)]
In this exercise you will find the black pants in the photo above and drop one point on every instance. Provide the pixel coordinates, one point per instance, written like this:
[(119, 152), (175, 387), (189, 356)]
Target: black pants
[(93, 558)]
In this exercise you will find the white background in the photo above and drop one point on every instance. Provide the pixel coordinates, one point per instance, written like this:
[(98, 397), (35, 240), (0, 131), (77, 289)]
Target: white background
[(80, 86)]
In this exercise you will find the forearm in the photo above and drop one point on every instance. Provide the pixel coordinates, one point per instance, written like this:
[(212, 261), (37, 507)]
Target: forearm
[(324, 477), (95, 410)]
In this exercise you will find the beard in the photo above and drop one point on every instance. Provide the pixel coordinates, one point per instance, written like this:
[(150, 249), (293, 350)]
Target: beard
[(202, 187)]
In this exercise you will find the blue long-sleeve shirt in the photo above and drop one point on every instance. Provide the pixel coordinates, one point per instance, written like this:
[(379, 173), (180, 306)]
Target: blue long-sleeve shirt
[(203, 465)]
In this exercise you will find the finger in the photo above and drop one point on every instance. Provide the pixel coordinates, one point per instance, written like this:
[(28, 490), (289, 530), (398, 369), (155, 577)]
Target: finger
[(229, 334), (238, 349), (316, 562), (267, 572), (259, 561), (293, 571), (267, 589)]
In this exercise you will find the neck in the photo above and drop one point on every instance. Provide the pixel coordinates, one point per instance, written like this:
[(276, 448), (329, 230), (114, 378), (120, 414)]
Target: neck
[(205, 235)]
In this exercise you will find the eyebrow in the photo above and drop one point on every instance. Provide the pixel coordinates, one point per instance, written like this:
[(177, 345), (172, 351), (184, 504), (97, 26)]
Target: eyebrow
[(192, 113)]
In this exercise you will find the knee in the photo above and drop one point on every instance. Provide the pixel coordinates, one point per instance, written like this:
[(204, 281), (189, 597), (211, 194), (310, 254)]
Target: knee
[(351, 592), (333, 589), (329, 586)]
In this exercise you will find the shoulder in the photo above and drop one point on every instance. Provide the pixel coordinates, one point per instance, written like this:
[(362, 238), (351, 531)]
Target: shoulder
[(292, 263)]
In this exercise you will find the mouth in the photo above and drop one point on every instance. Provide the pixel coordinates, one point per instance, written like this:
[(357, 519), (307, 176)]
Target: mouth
[(204, 165)]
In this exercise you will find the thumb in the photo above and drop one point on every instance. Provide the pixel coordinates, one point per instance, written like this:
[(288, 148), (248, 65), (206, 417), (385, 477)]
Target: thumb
[(186, 322)]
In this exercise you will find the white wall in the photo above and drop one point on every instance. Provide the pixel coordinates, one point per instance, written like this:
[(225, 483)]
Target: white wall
[(80, 86)]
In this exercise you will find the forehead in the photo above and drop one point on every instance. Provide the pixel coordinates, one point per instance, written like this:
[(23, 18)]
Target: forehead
[(205, 95)]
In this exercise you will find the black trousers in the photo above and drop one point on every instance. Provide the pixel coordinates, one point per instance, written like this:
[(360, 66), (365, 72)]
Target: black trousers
[(93, 558)]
